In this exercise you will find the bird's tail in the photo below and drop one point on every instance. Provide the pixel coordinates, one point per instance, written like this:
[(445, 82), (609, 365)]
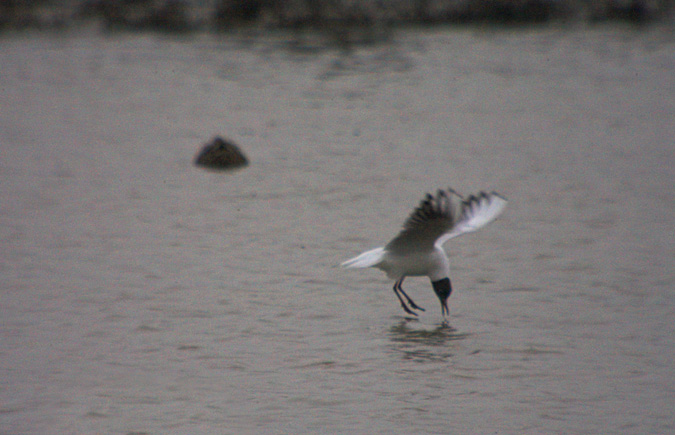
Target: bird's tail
[(367, 259)]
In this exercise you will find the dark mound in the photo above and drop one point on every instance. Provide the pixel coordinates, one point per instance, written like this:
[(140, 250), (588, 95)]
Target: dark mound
[(221, 155)]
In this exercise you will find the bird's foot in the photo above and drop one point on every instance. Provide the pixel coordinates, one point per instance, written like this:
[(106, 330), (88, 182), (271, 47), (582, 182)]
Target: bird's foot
[(399, 291), (414, 305), (408, 310), (410, 301)]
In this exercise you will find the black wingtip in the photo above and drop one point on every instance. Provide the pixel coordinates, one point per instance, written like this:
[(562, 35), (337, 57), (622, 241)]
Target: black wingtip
[(493, 193), (454, 192)]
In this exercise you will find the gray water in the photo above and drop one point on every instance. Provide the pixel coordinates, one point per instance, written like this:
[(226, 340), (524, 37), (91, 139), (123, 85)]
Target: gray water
[(141, 294)]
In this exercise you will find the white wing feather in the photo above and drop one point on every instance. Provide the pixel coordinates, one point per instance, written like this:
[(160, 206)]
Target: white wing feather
[(477, 211)]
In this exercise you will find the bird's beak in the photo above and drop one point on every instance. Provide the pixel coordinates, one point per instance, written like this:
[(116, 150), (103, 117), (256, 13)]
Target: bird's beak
[(444, 308)]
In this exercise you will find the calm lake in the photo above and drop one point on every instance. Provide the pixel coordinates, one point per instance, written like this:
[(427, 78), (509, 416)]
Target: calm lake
[(143, 295)]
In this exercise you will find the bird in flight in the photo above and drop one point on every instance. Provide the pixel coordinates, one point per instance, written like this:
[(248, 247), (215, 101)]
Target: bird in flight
[(418, 249)]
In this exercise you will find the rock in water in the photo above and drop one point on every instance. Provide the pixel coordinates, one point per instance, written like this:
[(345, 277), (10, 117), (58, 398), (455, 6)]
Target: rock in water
[(220, 154)]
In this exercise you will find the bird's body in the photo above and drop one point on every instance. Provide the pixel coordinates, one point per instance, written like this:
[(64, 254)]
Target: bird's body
[(418, 249), (433, 263)]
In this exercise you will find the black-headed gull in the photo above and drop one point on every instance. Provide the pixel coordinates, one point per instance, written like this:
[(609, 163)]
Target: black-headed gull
[(418, 249)]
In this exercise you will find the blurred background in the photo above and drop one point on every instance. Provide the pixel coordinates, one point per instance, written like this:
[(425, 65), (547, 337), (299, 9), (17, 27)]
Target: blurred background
[(338, 15), (141, 294)]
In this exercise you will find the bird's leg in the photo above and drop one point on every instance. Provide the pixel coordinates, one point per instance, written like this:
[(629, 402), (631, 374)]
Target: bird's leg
[(397, 286), (410, 301)]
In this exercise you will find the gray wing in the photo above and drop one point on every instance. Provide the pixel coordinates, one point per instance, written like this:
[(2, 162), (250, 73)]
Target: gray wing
[(435, 216), (440, 218)]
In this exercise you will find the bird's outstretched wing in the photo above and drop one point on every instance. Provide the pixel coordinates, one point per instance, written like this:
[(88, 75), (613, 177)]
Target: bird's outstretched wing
[(440, 218), (477, 211)]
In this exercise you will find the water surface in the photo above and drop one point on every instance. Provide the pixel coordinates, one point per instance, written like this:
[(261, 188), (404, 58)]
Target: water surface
[(141, 294)]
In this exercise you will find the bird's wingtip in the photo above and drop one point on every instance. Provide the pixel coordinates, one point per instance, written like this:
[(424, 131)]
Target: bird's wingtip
[(498, 195)]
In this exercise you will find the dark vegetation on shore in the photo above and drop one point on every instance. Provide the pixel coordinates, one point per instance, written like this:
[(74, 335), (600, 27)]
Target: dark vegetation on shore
[(227, 15)]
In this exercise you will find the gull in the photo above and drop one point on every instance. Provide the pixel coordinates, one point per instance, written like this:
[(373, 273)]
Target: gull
[(418, 249)]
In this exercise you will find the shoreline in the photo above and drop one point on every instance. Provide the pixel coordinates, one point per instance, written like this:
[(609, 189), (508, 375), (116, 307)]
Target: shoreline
[(190, 16)]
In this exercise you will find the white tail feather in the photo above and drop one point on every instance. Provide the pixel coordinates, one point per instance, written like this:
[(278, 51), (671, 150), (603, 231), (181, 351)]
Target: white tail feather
[(367, 259)]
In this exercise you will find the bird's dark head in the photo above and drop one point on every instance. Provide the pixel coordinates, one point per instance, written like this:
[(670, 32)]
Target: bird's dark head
[(443, 288)]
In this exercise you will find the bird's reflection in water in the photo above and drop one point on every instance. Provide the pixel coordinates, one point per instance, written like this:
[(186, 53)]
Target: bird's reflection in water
[(416, 343)]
